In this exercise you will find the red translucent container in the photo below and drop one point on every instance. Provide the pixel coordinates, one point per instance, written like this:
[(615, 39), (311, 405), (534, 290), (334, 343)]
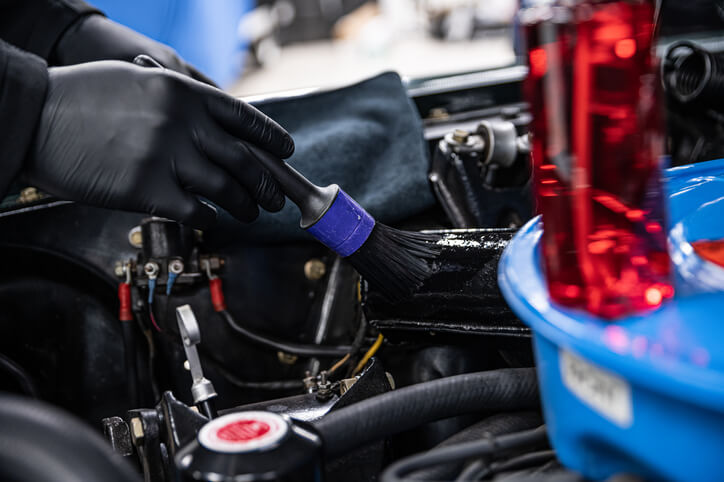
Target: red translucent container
[(597, 142)]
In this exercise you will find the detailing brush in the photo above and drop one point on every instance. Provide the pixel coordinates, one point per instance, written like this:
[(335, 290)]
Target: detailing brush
[(394, 261)]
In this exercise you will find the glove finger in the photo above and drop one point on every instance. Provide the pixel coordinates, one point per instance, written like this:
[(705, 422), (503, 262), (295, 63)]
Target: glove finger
[(248, 123), (216, 185), (197, 75), (185, 208), (234, 156)]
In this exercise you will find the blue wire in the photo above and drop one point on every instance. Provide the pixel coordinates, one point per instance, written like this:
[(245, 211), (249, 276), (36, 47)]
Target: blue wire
[(169, 284), (151, 288)]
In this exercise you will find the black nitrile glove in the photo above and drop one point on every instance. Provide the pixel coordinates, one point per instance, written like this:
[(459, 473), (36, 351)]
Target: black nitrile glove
[(95, 37), (121, 136)]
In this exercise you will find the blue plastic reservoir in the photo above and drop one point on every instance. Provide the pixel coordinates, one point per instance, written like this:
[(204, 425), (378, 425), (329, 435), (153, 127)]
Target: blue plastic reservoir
[(643, 395), (203, 32)]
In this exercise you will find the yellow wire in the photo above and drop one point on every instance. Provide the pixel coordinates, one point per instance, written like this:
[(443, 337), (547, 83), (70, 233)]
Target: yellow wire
[(370, 353), (336, 366)]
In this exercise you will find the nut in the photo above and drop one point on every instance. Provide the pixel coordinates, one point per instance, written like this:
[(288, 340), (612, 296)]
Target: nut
[(314, 269), (460, 135)]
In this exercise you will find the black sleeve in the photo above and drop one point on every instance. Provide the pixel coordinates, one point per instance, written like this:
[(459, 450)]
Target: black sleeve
[(36, 25), (23, 82)]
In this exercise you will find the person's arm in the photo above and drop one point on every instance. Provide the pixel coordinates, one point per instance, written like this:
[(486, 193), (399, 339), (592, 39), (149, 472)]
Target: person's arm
[(37, 25), (69, 32), (23, 84)]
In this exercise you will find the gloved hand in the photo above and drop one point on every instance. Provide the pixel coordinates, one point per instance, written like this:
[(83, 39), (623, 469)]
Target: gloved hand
[(95, 37), (117, 135)]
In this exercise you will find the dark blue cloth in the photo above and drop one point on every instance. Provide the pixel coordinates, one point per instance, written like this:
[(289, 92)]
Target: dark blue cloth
[(366, 137)]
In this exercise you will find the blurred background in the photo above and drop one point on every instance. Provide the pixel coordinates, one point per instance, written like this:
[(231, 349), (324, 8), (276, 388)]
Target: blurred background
[(256, 47)]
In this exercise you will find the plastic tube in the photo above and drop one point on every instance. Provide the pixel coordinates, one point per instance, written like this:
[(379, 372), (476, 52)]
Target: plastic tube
[(378, 417)]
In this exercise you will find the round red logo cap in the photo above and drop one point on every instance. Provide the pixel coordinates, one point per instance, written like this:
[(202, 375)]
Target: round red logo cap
[(243, 432)]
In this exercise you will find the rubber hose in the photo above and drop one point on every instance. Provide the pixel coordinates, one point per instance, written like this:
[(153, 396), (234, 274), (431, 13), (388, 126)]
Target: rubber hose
[(499, 424), (284, 346), (381, 416), (41, 442), (400, 470)]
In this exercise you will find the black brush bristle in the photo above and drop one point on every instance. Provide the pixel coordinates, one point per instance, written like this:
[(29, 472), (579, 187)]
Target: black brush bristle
[(396, 262)]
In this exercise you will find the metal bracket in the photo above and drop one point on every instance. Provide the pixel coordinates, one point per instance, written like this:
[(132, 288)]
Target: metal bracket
[(201, 388)]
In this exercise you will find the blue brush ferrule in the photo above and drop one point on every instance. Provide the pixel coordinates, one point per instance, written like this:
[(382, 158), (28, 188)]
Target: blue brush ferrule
[(344, 227)]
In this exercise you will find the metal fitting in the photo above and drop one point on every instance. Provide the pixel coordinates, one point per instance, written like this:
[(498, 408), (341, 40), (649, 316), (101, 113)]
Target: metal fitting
[(135, 237), (460, 135), (137, 429), (314, 269), (176, 266), (29, 195), (201, 388), (151, 270), (287, 358), (324, 387)]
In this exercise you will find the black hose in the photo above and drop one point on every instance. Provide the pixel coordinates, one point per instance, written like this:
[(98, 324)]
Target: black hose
[(398, 471), (496, 425), (481, 469), (383, 415), (298, 349), (694, 75), (41, 442), (25, 382)]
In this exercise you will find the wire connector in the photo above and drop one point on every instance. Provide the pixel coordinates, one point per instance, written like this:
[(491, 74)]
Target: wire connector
[(215, 288), (124, 296), (124, 300)]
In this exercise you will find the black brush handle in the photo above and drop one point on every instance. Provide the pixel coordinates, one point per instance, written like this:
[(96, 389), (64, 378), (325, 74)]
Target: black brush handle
[(313, 201)]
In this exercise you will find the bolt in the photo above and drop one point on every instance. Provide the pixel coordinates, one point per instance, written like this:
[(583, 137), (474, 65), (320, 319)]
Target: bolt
[(137, 428), (176, 266), (187, 367), (460, 135), (118, 269), (324, 388), (314, 269), (135, 238)]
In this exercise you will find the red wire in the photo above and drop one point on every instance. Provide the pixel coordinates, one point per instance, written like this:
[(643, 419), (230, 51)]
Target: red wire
[(153, 318)]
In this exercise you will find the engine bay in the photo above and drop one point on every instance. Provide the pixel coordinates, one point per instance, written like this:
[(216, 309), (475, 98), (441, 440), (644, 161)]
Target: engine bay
[(146, 329)]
